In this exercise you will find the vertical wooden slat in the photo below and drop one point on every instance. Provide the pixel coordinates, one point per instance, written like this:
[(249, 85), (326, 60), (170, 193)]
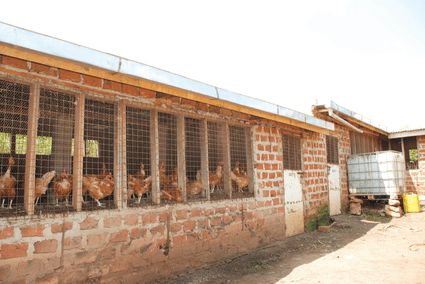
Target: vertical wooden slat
[(122, 151), (224, 131), (119, 163), (154, 141), (204, 160), (77, 172), (181, 155), (33, 114), (250, 158)]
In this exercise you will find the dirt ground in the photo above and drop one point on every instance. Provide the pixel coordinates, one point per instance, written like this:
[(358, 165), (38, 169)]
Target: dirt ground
[(364, 249)]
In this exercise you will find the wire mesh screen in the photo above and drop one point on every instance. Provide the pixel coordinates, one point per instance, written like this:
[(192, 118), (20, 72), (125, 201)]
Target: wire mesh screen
[(332, 149), (215, 160), (53, 183), (238, 160), (168, 179), (194, 186), (138, 156), (14, 102), (291, 152), (98, 181)]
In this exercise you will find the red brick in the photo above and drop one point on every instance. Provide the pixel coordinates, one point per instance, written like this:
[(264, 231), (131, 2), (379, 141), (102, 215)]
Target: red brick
[(89, 223), (163, 216), (260, 147), (112, 85), (94, 241), (14, 62), (44, 69), (120, 236), (46, 246), (175, 227), (158, 230), (147, 93), (6, 233), (196, 212), (32, 231), (202, 223), (215, 221), (92, 81), (189, 225), (72, 242), (59, 228), (149, 218), (220, 210), (131, 90), (137, 233), (112, 222), (181, 214), (69, 76), (177, 240), (13, 250), (131, 219), (227, 219)]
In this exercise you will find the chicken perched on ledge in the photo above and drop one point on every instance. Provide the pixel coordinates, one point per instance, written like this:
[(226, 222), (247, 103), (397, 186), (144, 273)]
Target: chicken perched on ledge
[(8, 184), (172, 194), (195, 187), (139, 184), (169, 185), (42, 184), (216, 178), (62, 187), (240, 177), (99, 187)]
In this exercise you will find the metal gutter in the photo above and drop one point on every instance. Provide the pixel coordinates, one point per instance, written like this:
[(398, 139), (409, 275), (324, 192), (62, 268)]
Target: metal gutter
[(52, 46)]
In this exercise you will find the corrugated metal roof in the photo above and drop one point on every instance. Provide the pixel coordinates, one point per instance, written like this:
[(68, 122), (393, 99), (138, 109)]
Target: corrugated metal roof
[(407, 133), (52, 46)]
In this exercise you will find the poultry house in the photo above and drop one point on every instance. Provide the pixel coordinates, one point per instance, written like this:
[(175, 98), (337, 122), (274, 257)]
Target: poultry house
[(216, 178), (62, 187), (8, 184), (195, 187), (99, 187), (42, 184)]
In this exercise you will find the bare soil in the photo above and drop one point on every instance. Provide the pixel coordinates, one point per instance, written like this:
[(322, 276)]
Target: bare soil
[(358, 249)]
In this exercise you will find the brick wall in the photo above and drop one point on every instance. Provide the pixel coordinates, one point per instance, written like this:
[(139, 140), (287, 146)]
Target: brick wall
[(315, 176), (415, 179), (344, 150)]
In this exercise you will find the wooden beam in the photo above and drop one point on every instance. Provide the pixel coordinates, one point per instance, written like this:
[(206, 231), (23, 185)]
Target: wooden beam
[(225, 136), (86, 69), (249, 138), (33, 114), (204, 160), (119, 162), (77, 172), (154, 141), (181, 155)]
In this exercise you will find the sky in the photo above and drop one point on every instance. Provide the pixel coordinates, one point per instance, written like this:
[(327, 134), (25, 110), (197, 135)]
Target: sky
[(366, 55)]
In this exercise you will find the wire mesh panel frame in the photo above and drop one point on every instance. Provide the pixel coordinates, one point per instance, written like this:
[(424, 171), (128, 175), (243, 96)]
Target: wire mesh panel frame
[(194, 187), (15, 102)]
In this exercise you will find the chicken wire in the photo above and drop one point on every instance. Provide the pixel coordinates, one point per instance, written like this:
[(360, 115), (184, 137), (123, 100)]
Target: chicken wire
[(238, 160), (98, 161), (14, 104), (215, 160), (138, 157), (291, 152), (194, 186), (53, 183), (168, 175)]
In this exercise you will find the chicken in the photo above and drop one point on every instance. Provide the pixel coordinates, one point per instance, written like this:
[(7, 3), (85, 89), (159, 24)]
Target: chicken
[(8, 184), (241, 181), (138, 186), (164, 180), (98, 187), (215, 178), (62, 187), (195, 187), (42, 184), (172, 194), (102, 175)]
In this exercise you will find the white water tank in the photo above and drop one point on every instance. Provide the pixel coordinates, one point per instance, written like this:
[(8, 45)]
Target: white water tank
[(377, 173)]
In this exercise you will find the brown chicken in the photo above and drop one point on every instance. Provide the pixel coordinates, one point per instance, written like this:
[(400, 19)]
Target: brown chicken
[(42, 184), (172, 194), (195, 187), (99, 188), (138, 186), (62, 187), (8, 185), (216, 178), (241, 181), (102, 175), (164, 180)]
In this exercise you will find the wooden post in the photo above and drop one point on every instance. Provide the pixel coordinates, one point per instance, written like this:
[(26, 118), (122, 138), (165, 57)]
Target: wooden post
[(204, 160), (181, 156), (224, 131), (33, 114), (250, 158), (119, 163), (154, 141), (77, 172)]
